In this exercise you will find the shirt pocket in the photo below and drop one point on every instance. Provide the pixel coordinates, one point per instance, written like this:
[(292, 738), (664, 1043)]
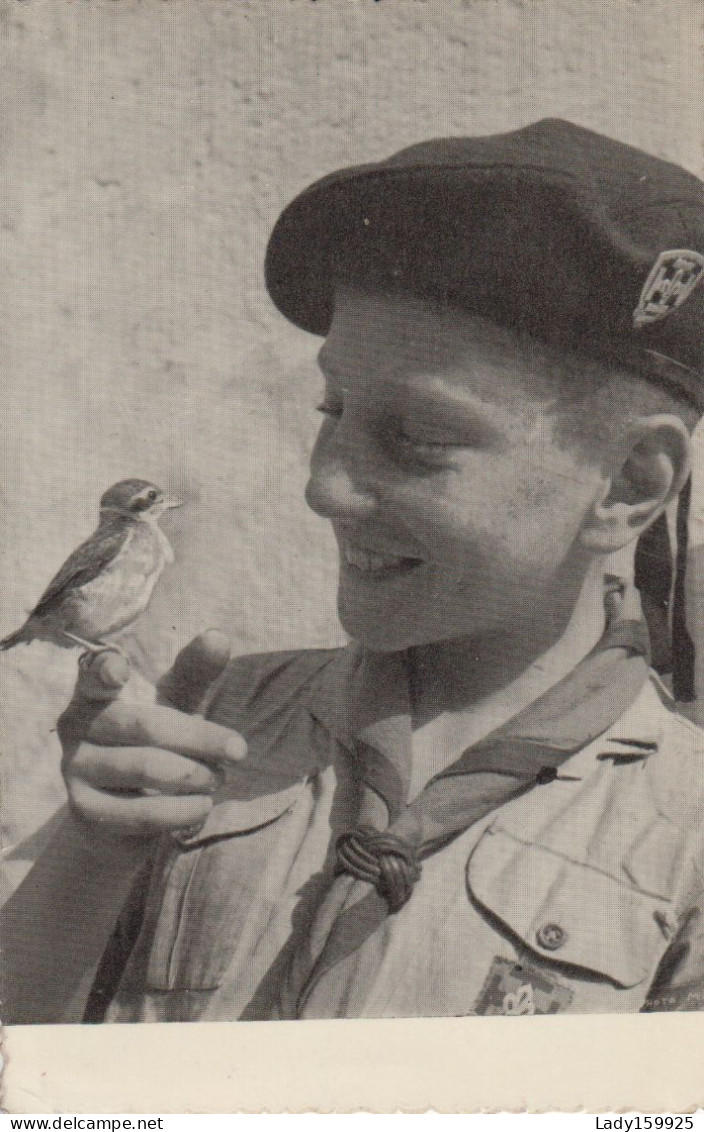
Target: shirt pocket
[(218, 889), (569, 913)]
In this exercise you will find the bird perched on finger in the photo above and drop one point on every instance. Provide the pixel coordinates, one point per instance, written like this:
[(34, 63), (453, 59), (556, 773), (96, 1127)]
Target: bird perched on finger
[(108, 581)]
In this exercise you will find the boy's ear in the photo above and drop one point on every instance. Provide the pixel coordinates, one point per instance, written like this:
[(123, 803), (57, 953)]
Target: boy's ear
[(649, 471)]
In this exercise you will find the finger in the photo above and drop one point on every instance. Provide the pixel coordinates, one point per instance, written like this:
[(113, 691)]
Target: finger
[(138, 817), (127, 725), (102, 676), (195, 669), (142, 768), (99, 682)]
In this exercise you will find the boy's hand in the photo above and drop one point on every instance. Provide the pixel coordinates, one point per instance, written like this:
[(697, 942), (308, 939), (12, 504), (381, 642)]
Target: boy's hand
[(136, 760)]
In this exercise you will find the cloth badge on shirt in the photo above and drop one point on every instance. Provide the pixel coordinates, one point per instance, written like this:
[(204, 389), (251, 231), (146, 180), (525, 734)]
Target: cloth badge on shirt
[(514, 988)]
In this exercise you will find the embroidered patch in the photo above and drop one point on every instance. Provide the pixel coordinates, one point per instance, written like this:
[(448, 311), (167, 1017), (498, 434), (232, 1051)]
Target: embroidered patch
[(514, 988), (672, 279)]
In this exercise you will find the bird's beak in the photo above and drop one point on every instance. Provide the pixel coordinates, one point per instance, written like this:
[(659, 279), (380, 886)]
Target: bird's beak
[(169, 502)]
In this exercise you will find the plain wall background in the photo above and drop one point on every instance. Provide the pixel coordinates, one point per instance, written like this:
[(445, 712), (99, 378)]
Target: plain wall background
[(146, 149)]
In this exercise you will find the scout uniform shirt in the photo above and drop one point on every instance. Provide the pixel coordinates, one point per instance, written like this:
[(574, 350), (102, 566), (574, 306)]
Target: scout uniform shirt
[(582, 895)]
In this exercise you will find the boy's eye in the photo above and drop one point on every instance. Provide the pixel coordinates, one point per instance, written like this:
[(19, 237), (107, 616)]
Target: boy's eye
[(328, 409), (421, 443)]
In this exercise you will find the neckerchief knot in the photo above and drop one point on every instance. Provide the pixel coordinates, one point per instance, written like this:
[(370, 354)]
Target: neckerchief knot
[(383, 859)]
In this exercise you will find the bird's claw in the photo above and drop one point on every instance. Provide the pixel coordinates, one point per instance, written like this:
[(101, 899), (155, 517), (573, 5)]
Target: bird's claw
[(88, 656)]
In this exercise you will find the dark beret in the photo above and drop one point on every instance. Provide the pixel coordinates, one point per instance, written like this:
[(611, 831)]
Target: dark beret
[(583, 242)]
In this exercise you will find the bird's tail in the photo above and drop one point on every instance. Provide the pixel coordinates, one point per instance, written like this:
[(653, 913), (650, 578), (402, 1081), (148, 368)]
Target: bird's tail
[(22, 636)]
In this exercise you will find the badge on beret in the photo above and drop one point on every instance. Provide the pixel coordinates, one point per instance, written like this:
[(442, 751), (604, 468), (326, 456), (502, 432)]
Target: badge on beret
[(673, 277), (514, 989)]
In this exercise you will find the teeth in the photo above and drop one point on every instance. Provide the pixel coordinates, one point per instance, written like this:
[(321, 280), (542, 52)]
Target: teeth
[(370, 562)]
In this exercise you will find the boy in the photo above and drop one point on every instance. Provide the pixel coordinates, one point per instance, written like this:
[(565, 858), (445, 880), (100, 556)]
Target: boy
[(485, 804)]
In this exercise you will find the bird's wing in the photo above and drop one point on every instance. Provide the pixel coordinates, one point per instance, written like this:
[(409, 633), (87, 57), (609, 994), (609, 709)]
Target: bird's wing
[(86, 562)]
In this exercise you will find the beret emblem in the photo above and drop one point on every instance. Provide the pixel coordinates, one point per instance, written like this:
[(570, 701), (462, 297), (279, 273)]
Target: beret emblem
[(673, 277)]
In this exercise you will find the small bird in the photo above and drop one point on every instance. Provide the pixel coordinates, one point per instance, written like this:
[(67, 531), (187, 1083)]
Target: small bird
[(108, 581)]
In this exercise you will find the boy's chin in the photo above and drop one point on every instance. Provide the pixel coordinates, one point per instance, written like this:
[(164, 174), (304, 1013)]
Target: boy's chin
[(377, 637)]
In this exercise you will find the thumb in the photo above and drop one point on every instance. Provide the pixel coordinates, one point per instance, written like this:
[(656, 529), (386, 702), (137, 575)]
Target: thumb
[(195, 669)]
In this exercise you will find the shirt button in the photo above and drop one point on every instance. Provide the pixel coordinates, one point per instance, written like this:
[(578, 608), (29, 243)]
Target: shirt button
[(551, 936)]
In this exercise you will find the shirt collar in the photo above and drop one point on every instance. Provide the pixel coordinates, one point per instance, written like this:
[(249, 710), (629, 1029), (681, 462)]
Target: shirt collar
[(362, 695)]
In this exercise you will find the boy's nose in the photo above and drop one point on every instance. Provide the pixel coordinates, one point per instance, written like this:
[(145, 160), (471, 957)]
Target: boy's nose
[(339, 488)]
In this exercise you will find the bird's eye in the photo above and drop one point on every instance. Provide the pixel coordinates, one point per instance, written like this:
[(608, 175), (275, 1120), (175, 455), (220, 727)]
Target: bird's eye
[(151, 495)]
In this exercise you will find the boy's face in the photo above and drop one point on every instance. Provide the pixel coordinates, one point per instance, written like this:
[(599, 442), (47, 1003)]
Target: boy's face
[(455, 510)]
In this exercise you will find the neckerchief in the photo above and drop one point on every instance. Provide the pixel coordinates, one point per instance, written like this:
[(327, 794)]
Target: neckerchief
[(379, 861)]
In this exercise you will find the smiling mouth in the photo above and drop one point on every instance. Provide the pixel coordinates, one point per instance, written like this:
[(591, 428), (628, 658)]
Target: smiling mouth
[(371, 564)]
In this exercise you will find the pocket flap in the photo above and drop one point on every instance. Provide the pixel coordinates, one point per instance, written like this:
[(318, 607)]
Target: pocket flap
[(568, 912), (239, 815)]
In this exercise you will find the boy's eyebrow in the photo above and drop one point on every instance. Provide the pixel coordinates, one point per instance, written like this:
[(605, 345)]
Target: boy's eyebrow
[(431, 395), (439, 395), (457, 408), (433, 392), (328, 368), (325, 365)]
